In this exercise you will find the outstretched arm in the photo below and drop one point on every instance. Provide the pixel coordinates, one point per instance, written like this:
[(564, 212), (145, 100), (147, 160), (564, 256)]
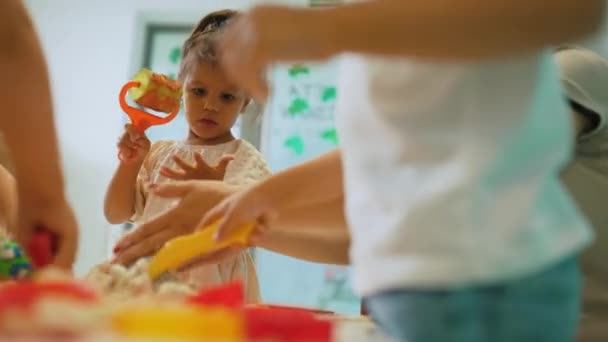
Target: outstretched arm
[(467, 29), (316, 233), (29, 130)]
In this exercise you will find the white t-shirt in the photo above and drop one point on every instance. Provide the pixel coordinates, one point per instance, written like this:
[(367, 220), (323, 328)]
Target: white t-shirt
[(451, 171)]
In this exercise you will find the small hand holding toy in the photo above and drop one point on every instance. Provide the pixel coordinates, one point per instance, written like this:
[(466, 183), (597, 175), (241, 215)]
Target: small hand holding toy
[(153, 91), (133, 146), (179, 251)]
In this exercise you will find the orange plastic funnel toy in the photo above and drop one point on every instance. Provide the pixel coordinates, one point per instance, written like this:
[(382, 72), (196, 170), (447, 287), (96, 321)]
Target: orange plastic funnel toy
[(141, 119), (180, 250), (153, 91)]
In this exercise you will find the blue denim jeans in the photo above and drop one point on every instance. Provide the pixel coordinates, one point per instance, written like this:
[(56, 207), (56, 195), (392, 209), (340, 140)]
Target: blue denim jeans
[(540, 308)]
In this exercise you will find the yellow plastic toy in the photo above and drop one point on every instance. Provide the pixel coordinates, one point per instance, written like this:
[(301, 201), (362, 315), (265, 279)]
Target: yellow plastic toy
[(179, 322), (179, 251)]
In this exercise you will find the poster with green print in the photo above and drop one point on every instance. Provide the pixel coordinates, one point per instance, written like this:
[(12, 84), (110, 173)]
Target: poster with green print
[(299, 125)]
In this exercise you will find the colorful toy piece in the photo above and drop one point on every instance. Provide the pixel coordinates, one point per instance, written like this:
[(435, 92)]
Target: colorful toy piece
[(14, 264), (219, 314), (31, 307), (152, 91), (230, 295), (286, 325), (155, 91), (181, 250), (268, 322), (23, 295), (179, 322)]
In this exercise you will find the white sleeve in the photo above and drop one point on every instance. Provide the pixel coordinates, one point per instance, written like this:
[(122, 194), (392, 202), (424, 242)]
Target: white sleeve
[(247, 167)]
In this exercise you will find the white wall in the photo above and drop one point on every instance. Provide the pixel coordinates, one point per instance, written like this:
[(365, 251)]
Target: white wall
[(89, 45)]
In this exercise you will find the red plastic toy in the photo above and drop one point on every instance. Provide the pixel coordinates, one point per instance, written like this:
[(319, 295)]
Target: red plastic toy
[(286, 325), (269, 322), (42, 248), (230, 295), (24, 294)]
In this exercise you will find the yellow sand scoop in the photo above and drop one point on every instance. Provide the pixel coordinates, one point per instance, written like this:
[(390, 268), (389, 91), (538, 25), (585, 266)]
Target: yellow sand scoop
[(181, 250)]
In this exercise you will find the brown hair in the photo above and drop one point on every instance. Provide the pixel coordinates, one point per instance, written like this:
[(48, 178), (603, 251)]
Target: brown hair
[(200, 46)]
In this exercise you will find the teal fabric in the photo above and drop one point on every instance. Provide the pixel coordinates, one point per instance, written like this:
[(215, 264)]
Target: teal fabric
[(540, 308)]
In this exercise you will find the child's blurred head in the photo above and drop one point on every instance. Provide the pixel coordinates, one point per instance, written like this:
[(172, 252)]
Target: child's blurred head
[(584, 75), (212, 102)]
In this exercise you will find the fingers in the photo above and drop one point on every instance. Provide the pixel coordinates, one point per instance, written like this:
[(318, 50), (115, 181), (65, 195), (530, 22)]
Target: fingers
[(142, 143), (125, 142), (262, 226), (66, 254), (66, 230), (249, 77), (127, 148), (256, 236), (268, 218), (215, 257), (128, 240), (224, 161), (145, 247), (183, 164), (259, 86), (255, 239), (239, 44), (231, 218), (227, 223), (133, 133), (155, 225), (172, 173), (200, 162), (62, 228), (172, 190), (212, 215)]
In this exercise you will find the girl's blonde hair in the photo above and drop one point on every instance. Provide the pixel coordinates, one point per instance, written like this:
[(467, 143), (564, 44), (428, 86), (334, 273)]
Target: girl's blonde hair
[(201, 47)]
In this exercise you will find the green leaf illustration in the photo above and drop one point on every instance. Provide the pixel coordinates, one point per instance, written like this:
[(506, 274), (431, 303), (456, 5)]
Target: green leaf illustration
[(297, 70), (295, 143), (329, 94), (330, 135), (298, 106), (175, 55)]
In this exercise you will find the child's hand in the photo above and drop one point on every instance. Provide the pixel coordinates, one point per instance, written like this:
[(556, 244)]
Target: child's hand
[(54, 215), (199, 171), (247, 46), (133, 146), (195, 198), (252, 42), (252, 205)]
